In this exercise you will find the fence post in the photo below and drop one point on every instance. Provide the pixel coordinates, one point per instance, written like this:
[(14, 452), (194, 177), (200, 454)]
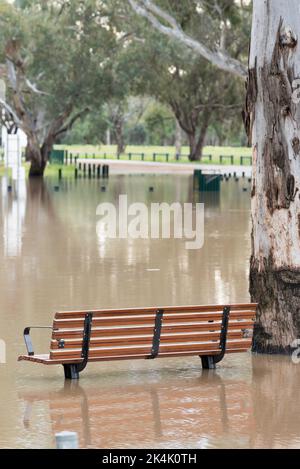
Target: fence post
[(154, 156)]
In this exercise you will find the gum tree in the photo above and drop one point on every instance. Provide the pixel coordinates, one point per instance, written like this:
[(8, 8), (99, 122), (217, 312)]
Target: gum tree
[(188, 84), (272, 120), (57, 68)]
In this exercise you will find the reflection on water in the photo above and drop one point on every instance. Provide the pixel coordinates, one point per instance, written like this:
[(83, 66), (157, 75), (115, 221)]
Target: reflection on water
[(51, 259), (13, 210), (171, 405)]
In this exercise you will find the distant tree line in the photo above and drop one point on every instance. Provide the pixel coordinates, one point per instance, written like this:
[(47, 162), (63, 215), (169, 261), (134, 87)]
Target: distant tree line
[(95, 72)]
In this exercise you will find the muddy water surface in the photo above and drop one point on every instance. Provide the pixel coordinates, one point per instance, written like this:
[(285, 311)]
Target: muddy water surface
[(51, 258)]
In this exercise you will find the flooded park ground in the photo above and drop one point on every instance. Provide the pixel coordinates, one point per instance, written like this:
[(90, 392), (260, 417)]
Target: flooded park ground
[(53, 259)]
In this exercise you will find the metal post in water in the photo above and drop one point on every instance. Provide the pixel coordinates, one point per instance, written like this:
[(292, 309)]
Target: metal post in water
[(105, 171), (66, 440)]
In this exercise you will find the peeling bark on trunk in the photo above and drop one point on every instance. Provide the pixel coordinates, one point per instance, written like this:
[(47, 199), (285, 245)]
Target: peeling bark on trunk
[(272, 122)]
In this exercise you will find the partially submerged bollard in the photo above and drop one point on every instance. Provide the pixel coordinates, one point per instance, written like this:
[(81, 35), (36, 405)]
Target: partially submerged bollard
[(105, 171), (66, 440)]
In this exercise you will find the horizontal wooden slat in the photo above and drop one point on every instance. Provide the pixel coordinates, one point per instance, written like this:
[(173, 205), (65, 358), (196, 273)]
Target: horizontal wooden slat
[(146, 339), (133, 311), (143, 350), (141, 329), (187, 317)]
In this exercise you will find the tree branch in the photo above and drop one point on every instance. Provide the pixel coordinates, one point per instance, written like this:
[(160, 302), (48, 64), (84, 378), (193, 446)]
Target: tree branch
[(219, 106), (156, 15), (72, 121)]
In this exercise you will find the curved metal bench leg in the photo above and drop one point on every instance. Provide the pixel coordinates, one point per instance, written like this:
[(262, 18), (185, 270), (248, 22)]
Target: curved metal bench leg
[(209, 362), (72, 370)]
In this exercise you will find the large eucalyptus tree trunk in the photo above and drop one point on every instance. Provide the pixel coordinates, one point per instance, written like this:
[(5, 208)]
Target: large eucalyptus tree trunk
[(273, 123), (38, 153), (37, 156)]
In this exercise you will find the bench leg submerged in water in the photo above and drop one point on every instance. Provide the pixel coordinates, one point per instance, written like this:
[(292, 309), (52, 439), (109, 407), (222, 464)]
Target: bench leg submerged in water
[(208, 363), (71, 371)]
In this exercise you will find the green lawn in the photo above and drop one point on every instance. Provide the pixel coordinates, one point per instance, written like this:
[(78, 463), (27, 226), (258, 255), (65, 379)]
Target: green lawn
[(136, 151), (110, 151), (51, 170)]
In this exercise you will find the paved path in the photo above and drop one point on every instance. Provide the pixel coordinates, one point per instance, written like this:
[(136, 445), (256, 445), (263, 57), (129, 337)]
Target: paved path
[(148, 167)]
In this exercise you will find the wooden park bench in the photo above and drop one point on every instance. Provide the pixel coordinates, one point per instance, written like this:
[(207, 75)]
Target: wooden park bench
[(80, 337)]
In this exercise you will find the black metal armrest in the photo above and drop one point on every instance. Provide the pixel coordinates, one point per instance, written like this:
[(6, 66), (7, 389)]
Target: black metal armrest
[(27, 337)]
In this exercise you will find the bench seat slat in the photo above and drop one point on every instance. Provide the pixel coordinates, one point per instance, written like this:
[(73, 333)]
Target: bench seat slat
[(46, 360)]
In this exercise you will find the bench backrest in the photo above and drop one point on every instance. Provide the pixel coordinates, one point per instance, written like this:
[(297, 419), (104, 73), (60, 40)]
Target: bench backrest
[(128, 333)]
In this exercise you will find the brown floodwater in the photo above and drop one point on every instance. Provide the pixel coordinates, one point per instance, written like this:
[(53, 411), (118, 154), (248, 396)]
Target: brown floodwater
[(52, 259)]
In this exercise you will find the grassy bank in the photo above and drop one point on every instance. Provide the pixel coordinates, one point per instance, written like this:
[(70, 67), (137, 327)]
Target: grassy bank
[(51, 170), (161, 152), (110, 151)]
